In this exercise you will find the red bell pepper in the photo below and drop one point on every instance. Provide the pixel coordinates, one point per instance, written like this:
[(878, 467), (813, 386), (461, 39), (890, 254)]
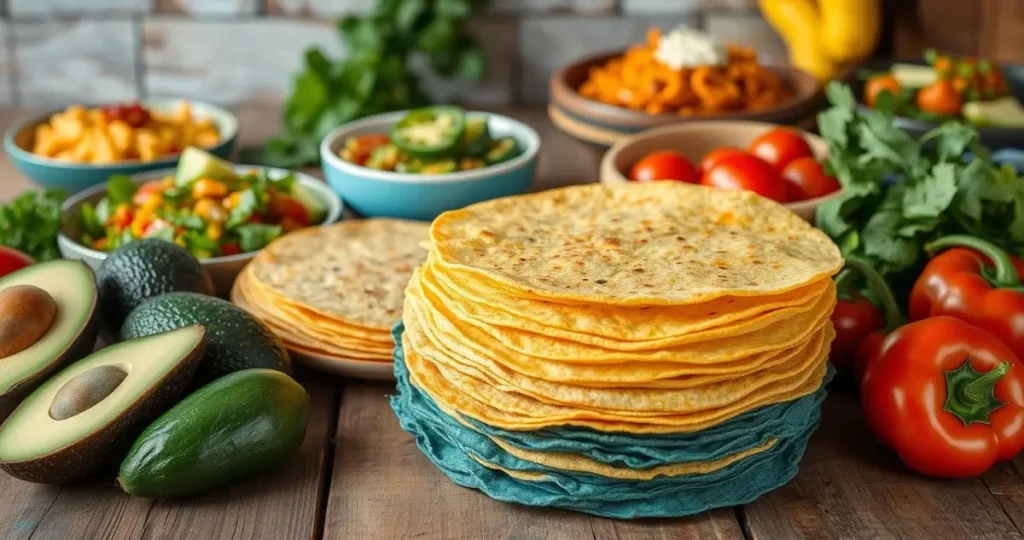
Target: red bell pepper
[(980, 285), (947, 396), (857, 320)]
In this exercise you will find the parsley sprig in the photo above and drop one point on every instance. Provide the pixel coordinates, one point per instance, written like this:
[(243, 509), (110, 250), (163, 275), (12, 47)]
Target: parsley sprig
[(901, 193)]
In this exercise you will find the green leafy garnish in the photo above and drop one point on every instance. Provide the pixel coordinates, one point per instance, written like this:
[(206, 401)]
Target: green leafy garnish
[(120, 189), (30, 223), (256, 236), (377, 76), (901, 193), (246, 207), (91, 224)]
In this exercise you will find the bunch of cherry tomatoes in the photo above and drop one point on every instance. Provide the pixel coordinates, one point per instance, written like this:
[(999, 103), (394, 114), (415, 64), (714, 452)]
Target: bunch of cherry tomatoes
[(779, 165)]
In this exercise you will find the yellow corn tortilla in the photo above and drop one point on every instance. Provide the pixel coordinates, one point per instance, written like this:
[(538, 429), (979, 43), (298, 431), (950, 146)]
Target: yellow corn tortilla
[(467, 296), (775, 336), (353, 271), (671, 336), (658, 243), (517, 412), (709, 391), (617, 402)]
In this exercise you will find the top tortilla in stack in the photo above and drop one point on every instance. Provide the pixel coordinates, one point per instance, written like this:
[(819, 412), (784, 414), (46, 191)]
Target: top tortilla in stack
[(335, 289)]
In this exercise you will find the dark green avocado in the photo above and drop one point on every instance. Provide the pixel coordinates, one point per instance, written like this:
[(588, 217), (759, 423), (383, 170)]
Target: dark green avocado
[(69, 427), (61, 333), (238, 426), (138, 271), (235, 339)]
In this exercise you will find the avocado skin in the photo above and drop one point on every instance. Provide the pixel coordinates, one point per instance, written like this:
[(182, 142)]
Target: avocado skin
[(83, 459), (235, 340), (238, 426), (144, 269), (81, 347)]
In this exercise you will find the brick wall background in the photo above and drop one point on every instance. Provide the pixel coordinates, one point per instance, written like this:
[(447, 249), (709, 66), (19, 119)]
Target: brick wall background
[(56, 52)]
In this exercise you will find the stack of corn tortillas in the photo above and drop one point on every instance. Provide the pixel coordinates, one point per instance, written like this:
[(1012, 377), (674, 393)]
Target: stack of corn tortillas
[(335, 291), (643, 350)]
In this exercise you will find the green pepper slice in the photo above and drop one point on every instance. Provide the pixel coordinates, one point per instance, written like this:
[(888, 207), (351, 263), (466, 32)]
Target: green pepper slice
[(430, 132), (501, 150), (477, 137)]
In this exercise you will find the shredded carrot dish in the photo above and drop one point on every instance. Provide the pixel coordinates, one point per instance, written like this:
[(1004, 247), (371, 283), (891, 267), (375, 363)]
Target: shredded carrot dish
[(637, 80)]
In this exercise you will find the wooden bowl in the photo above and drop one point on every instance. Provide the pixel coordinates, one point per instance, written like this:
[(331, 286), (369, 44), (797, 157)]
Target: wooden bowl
[(603, 125), (694, 140)]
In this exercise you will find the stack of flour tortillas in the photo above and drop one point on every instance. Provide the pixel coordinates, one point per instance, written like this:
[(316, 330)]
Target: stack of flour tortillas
[(644, 350), (335, 291)]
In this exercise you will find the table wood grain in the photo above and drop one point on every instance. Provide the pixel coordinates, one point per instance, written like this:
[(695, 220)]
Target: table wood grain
[(358, 476)]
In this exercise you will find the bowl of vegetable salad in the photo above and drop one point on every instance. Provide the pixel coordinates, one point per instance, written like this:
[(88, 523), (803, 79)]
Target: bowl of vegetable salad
[(220, 212), (417, 164)]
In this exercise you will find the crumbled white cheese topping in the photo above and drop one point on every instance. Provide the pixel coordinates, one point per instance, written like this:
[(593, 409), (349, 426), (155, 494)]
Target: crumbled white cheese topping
[(685, 47)]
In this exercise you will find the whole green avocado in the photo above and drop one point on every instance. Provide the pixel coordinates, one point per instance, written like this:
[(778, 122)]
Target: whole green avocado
[(238, 426), (144, 269), (235, 340)]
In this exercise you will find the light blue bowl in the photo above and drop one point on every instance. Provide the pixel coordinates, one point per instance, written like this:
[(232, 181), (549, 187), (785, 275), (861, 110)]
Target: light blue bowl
[(374, 193), (75, 177)]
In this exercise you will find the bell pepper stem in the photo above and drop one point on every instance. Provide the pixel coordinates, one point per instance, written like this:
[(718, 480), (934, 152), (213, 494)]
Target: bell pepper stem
[(979, 389), (1005, 275), (970, 394), (890, 309)]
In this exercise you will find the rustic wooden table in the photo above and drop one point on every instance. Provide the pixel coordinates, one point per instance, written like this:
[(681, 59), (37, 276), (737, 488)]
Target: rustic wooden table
[(359, 476)]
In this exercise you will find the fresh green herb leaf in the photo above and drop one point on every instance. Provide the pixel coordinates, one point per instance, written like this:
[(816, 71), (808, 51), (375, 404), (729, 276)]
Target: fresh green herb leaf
[(246, 207), (90, 224), (120, 189), (30, 223), (378, 75), (255, 236), (931, 196)]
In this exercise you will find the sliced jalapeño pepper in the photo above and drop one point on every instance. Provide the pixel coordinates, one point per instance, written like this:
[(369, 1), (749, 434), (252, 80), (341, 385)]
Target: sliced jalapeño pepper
[(501, 150), (431, 132)]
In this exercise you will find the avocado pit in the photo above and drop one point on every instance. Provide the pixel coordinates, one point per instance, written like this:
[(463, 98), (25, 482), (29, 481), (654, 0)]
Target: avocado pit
[(85, 390), (26, 315)]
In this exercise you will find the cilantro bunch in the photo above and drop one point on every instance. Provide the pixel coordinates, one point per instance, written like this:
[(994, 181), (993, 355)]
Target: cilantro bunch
[(30, 223), (901, 193), (377, 75)]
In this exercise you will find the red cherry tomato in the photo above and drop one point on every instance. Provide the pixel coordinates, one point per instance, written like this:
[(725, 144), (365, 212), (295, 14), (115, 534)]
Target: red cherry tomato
[(664, 165), (806, 179), (780, 146), (282, 206), (12, 260), (744, 171), (230, 248), (713, 157)]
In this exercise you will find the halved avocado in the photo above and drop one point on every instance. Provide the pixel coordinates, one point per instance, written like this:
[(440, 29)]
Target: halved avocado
[(91, 410), (70, 336)]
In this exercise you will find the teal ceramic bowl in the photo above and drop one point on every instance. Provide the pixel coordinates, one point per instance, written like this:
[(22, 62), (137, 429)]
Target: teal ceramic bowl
[(75, 177), (374, 193)]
